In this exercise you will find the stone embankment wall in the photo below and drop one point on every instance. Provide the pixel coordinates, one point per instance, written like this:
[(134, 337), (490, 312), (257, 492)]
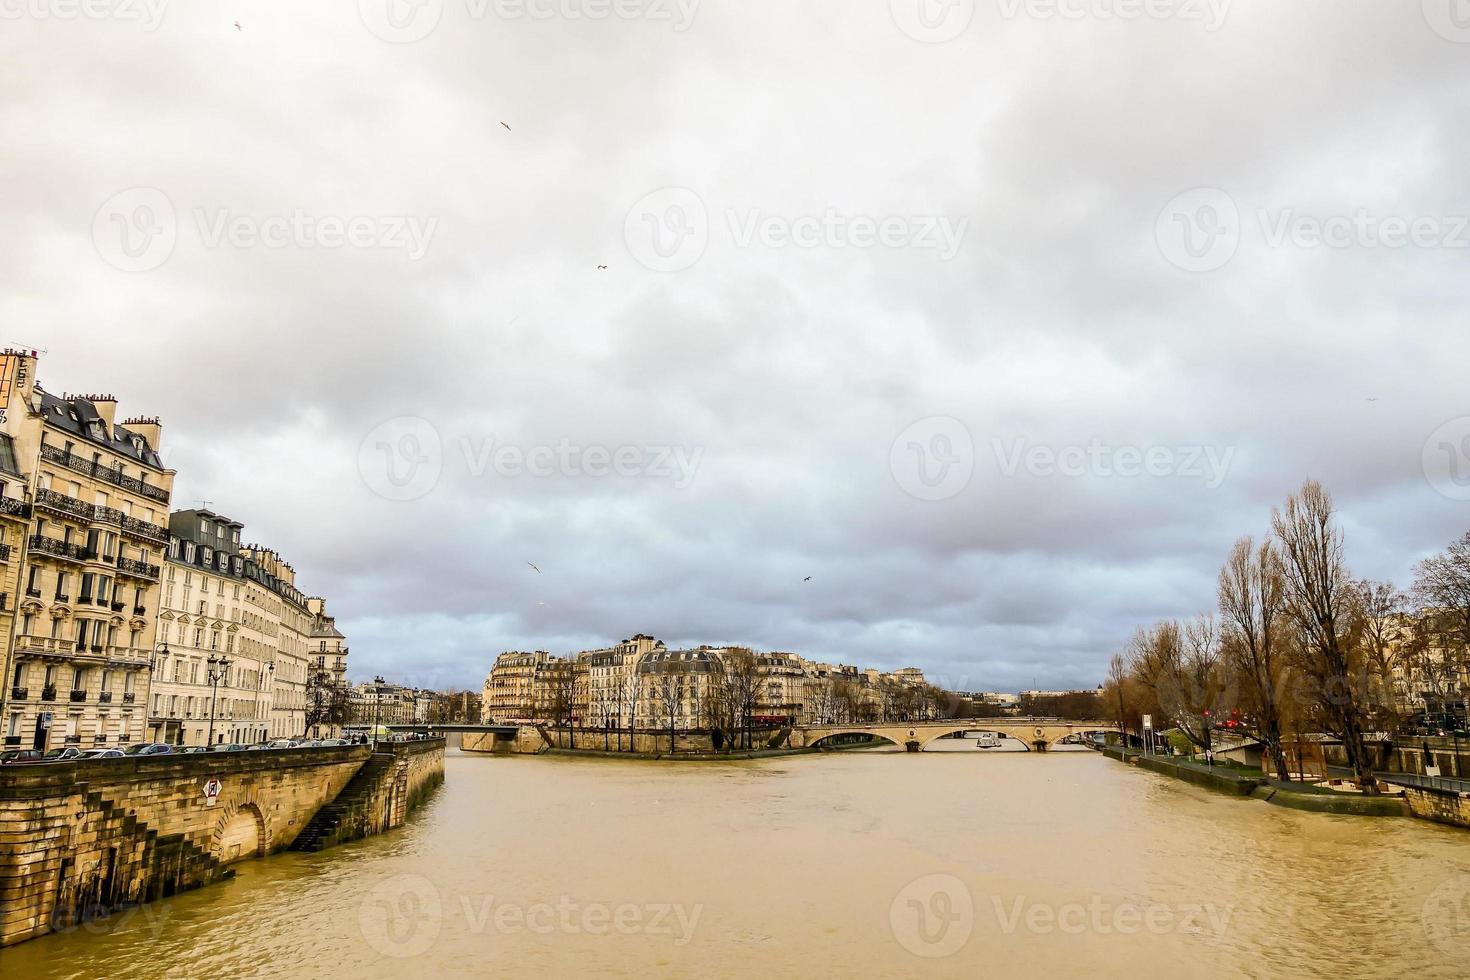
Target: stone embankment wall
[(79, 840), (1408, 758), (388, 787), (1439, 805), (534, 739)]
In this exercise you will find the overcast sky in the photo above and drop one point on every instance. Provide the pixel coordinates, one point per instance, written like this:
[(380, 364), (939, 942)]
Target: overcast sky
[(999, 320)]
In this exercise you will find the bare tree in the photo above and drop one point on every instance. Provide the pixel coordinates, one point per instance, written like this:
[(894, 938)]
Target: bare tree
[(1182, 668), (1252, 592), (822, 700), (742, 673), (1384, 635), (1117, 692), (666, 692), (848, 696), (626, 694), (1321, 603), (1442, 586)]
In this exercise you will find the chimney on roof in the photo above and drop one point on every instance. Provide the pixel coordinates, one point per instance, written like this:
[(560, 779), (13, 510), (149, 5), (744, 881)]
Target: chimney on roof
[(106, 407), (149, 428)]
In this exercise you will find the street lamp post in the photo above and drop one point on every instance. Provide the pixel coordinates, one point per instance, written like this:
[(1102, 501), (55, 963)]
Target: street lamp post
[(218, 668), (377, 706), (160, 649)]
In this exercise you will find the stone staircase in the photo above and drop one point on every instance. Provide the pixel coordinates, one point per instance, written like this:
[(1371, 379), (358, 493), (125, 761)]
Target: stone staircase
[(344, 817)]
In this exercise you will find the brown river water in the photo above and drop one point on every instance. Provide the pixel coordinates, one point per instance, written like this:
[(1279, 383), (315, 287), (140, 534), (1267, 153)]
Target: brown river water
[(948, 863)]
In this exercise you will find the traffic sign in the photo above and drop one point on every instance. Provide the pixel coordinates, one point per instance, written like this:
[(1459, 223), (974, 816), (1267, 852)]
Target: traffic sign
[(212, 786)]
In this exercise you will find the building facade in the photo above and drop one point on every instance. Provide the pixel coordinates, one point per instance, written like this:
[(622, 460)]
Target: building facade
[(84, 501), (244, 656)]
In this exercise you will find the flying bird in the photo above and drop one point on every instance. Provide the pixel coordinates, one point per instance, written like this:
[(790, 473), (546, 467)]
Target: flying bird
[(503, 123), (807, 579), (238, 27), (602, 267), (533, 565)]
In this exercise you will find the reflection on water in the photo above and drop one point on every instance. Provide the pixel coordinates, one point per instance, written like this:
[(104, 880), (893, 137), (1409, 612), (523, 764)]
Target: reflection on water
[(946, 863)]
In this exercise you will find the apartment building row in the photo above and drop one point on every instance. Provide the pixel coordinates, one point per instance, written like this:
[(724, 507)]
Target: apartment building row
[(642, 679), (1429, 664), (122, 621)]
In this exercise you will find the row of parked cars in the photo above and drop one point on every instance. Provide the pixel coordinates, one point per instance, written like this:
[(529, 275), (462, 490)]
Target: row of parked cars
[(73, 753)]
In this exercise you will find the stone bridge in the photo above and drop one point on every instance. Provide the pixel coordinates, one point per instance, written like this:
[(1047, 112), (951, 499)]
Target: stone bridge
[(1035, 734), (79, 840)]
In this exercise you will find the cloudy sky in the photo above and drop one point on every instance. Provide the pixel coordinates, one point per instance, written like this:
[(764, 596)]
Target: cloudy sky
[(999, 319)]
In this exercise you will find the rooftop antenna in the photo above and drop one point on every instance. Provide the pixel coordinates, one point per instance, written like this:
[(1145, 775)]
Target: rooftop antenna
[(204, 504), (33, 350)]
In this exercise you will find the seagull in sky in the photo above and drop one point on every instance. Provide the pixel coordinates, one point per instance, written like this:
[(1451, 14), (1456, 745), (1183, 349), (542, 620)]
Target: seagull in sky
[(807, 579), (238, 27), (602, 267), (533, 565), (506, 125)]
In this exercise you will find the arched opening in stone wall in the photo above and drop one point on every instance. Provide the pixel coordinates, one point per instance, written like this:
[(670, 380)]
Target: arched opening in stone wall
[(241, 835)]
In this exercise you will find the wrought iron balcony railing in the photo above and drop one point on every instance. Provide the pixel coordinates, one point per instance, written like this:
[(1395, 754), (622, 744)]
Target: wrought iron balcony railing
[(19, 693), (62, 504), (89, 468), (13, 507), (57, 548), (142, 569)]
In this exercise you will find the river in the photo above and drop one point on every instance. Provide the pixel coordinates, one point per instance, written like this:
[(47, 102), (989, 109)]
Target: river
[(950, 863)]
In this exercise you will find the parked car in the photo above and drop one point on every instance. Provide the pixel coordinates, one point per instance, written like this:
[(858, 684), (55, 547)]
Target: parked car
[(62, 754), (104, 754), (227, 747), (309, 743), (191, 749), (335, 741), (20, 757), (149, 748), (282, 743)]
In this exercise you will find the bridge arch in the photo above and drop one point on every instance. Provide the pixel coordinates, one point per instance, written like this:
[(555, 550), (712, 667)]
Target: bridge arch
[(879, 736), (1005, 733)]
